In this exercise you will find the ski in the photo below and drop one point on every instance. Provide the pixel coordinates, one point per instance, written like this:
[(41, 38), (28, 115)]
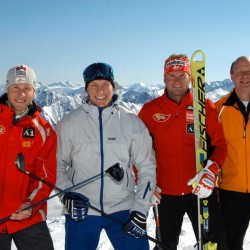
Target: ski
[(199, 92)]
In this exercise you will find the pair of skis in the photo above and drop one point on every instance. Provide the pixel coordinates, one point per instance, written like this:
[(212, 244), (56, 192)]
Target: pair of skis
[(199, 92)]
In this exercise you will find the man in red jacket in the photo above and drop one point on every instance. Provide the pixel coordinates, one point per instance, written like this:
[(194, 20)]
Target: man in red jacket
[(22, 130), (170, 121)]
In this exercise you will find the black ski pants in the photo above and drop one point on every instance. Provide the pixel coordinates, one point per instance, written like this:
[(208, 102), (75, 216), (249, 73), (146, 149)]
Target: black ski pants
[(35, 237), (172, 210), (236, 211)]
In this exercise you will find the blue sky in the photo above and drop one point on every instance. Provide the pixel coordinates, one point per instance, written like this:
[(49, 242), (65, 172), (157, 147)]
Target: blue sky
[(59, 38)]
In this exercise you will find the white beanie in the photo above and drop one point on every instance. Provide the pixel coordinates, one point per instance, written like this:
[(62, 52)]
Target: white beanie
[(21, 74)]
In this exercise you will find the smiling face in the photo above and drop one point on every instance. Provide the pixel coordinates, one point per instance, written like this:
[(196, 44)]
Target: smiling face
[(100, 92), (177, 84), (20, 96), (240, 76)]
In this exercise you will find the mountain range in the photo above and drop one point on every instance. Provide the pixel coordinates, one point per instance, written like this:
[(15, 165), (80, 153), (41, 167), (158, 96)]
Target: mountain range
[(59, 98)]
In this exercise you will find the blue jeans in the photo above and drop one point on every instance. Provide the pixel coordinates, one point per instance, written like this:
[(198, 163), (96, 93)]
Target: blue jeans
[(86, 234)]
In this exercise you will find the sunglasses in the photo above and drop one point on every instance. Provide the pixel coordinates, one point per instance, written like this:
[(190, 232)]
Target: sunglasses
[(98, 69)]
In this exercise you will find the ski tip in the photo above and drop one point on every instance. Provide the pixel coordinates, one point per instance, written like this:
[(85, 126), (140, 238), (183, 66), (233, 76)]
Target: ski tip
[(198, 56)]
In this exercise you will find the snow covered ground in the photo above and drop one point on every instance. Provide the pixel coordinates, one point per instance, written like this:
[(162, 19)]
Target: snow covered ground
[(56, 225)]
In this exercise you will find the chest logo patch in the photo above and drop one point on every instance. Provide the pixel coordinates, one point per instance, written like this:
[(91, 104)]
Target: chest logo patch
[(189, 116), (28, 133), (190, 128), (27, 144), (161, 117)]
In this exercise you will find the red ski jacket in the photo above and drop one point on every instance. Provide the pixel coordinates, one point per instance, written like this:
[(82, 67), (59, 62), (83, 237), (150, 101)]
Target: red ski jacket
[(172, 128), (36, 139)]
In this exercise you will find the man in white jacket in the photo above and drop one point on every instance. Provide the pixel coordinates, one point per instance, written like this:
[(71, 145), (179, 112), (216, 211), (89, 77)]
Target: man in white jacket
[(92, 138)]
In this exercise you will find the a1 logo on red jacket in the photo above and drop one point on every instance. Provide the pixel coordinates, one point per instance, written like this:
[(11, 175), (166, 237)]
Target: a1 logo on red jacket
[(160, 117), (28, 132)]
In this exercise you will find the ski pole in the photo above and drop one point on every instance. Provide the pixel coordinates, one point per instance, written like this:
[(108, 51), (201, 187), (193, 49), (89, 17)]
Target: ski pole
[(115, 171), (157, 225)]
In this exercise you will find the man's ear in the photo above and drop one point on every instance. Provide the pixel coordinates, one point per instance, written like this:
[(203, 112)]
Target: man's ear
[(164, 80)]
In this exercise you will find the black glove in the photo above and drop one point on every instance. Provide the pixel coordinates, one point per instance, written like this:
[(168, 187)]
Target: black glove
[(77, 205), (136, 224)]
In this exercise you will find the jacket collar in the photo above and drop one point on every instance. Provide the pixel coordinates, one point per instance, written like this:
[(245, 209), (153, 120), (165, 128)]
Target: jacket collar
[(185, 100), (232, 99)]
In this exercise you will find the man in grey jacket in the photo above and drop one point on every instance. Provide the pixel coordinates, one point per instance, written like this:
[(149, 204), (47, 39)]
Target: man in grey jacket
[(92, 138)]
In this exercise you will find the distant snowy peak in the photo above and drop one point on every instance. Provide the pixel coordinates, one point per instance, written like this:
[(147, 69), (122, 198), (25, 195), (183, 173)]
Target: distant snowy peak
[(225, 85), (140, 93), (140, 87), (217, 89), (66, 88), (67, 84), (59, 98)]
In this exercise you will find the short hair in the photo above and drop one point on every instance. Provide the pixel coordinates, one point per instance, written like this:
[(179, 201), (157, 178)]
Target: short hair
[(237, 60), (177, 56)]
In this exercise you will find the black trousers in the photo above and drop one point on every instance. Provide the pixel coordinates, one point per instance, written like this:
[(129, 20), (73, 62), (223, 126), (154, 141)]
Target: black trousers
[(236, 211), (172, 210), (35, 237)]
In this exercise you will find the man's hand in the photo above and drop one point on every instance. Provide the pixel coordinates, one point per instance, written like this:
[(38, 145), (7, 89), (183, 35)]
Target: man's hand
[(136, 225), (21, 215), (204, 181), (77, 205)]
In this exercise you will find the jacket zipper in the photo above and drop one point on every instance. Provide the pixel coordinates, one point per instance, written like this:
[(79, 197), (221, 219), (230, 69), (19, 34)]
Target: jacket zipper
[(244, 136), (148, 187), (102, 158)]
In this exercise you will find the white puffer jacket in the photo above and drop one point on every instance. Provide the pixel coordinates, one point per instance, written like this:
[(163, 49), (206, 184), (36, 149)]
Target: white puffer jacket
[(90, 140)]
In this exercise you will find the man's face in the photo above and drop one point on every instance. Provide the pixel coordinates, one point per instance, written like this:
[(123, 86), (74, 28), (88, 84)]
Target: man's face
[(177, 84), (20, 96), (100, 92), (241, 76)]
